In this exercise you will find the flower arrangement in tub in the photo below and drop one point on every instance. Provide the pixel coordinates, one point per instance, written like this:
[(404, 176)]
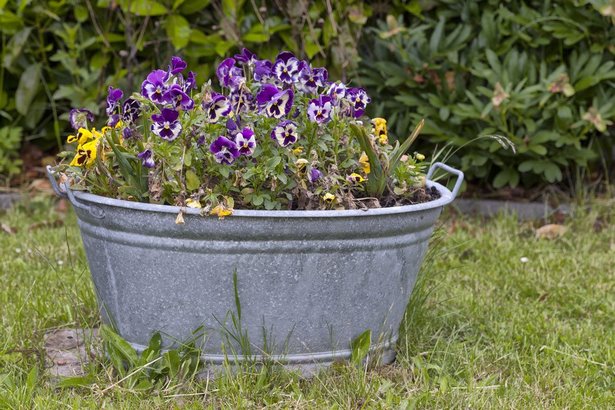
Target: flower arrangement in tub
[(269, 135)]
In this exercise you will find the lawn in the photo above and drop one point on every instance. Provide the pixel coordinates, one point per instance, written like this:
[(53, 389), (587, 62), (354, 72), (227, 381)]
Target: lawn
[(500, 319)]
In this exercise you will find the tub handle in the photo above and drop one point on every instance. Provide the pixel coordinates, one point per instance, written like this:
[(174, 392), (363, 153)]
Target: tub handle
[(54, 183), (448, 169), (93, 210)]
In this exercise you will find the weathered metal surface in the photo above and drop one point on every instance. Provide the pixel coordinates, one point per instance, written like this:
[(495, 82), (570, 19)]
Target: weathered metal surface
[(309, 282)]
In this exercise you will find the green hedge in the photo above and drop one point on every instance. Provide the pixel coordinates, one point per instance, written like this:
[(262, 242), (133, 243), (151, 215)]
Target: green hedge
[(64, 53), (538, 72), (541, 73)]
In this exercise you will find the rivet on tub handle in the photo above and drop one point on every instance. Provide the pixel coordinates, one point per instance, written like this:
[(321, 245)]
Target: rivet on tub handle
[(451, 170)]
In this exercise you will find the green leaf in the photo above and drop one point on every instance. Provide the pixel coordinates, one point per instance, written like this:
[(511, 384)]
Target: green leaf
[(143, 7), (27, 89), (77, 381), (15, 46), (119, 346), (178, 30), (192, 181), (360, 347), (192, 6)]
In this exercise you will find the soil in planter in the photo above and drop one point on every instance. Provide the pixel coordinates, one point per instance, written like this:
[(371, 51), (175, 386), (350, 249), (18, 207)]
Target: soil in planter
[(309, 201)]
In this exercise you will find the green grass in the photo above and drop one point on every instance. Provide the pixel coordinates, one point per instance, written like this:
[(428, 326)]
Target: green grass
[(484, 329)]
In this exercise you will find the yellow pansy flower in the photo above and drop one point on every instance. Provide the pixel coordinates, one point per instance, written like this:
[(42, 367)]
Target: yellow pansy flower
[(298, 150), (380, 130), (355, 178), (419, 156), (82, 136), (192, 203), (86, 154), (301, 162), (328, 197), (364, 161)]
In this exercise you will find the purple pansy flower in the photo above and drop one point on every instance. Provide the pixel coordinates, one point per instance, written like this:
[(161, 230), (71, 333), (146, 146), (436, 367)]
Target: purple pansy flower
[(190, 83), (166, 125), (177, 65), (337, 91), (285, 133), (229, 75), (113, 98), (216, 107), (128, 133), (225, 151), (232, 126), (358, 99), (246, 56), (245, 141), (155, 86), (319, 109), (114, 119), (131, 110), (313, 175), (177, 97), (262, 70), (287, 67), (146, 158), (273, 102), (242, 100), (79, 118), (312, 78)]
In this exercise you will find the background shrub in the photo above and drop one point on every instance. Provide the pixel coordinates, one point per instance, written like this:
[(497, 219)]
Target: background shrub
[(64, 53), (541, 73)]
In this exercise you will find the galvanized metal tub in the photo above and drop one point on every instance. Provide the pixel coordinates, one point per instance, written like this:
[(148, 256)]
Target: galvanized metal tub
[(308, 282)]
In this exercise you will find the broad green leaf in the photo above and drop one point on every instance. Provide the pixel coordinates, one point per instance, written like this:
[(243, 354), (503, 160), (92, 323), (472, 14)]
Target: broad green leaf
[(360, 347), (27, 89), (178, 30), (192, 180), (143, 7), (14, 47), (193, 6)]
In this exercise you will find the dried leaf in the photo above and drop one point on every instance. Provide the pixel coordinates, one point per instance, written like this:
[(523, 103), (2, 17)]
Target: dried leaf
[(180, 218), (550, 231), (46, 224), (8, 229), (221, 211)]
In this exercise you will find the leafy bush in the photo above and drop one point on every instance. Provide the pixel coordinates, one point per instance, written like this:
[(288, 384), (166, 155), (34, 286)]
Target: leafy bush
[(539, 73), (10, 139), (61, 54)]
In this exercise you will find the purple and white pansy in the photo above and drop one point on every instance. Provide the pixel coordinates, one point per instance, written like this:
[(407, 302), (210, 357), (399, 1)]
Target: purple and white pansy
[(337, 91), (155, 86), (80, 117), (273, 102), (113, 99), (319, 109), (311, 79), (216, 106), (177, 65), (146, 158), (131, 111), (285, 133), (166, 124), (358, 99), (176, 96), (229, 75), (245, 141), (287, 67), (225, 151)]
